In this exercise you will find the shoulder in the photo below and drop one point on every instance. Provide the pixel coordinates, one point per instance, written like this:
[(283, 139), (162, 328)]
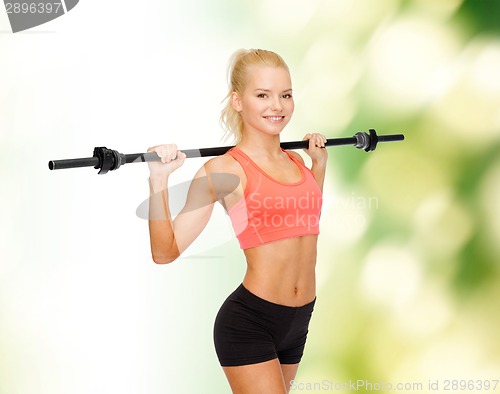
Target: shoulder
[(296, 155), (222, 163), (225, 174)]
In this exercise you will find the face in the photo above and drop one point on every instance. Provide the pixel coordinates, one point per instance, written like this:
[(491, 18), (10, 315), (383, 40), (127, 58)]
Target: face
[(266, 104)]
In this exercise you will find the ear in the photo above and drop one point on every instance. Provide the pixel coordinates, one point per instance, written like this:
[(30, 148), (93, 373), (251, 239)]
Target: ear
[(236, 102)]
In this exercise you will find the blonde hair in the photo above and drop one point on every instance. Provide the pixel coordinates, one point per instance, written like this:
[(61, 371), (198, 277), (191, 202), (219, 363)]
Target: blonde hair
[(237, 72)]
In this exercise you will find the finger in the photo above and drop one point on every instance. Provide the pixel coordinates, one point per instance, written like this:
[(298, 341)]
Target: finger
[(312, 142), (322, 140), (181, 156), (317, 140), (160, 151), (173, 148), (154, 149), (168, 152)]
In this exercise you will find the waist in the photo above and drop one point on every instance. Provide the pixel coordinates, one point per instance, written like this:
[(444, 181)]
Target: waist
[(276, 308), (284, 271), (283, 295)]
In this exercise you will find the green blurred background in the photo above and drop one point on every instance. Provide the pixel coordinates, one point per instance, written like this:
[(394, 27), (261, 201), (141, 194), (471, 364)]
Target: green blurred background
[(409, 253)]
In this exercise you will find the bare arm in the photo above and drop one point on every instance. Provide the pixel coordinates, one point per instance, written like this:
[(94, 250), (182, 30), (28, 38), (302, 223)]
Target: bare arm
[(169, 238), (318, 169), (164, 247), (319, 157)]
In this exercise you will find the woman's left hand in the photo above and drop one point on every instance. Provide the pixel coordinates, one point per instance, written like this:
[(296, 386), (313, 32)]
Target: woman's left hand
[(316, 150)]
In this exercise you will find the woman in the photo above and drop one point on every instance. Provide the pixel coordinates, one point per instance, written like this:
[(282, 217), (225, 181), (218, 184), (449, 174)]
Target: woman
[(260, 330)]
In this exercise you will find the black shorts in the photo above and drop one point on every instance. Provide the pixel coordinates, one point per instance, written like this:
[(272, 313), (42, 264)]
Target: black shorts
[(249, 330)]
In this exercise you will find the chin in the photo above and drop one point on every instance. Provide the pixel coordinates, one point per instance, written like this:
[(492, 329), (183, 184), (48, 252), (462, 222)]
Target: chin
[(274, 130)]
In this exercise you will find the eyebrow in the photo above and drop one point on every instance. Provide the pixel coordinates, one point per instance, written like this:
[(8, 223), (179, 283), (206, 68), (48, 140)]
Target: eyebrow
[(267, 90)]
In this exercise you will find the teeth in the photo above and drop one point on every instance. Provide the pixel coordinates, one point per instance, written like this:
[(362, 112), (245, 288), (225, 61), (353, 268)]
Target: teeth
[(274, 118)]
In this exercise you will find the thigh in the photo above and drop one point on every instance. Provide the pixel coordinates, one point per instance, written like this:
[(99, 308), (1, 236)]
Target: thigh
[(289, 371), (241, 334), (266, 377)]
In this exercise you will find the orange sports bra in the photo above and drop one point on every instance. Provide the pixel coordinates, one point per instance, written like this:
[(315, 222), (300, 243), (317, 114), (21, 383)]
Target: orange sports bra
[(273, 210)]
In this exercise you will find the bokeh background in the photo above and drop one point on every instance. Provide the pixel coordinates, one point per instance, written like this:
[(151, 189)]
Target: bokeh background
[(409, 255)]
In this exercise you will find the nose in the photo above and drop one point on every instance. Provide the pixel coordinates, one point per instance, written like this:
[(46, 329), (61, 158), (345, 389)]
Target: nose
[(276, 105)]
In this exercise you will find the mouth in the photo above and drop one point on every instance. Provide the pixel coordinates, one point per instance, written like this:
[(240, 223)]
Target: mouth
[(274, 119)]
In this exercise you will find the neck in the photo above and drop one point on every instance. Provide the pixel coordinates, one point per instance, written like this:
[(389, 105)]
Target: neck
[(259, 144)]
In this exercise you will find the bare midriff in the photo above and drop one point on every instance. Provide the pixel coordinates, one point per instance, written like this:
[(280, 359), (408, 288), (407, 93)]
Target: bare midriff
[(283, 272)]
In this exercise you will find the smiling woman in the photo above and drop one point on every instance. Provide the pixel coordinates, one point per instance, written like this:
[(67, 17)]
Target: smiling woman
[(261, 329)]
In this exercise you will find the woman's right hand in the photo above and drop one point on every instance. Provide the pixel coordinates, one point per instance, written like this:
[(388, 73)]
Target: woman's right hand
[(171, 159)]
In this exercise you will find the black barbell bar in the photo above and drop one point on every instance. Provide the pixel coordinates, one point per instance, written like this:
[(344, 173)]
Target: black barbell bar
[(105, 159)]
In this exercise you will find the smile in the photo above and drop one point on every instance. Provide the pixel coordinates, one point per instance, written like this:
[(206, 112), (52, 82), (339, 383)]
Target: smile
[(274, 118)]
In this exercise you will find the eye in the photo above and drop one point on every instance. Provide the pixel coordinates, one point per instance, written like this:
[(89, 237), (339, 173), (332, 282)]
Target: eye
[(287, 96), (262, 95)]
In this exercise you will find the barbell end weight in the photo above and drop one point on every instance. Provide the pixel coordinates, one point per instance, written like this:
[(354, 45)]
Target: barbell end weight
[(373, 138)]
